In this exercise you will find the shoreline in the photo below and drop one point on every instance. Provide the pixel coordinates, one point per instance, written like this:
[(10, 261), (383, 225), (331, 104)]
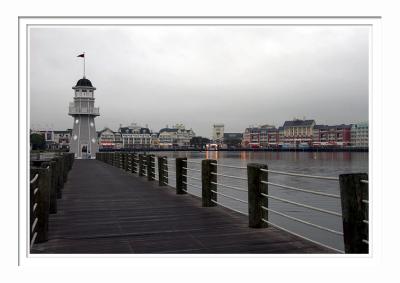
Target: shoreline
[(242, 150)]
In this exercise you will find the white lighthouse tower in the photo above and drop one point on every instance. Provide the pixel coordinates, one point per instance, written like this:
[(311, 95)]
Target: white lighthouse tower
[(84, 136)]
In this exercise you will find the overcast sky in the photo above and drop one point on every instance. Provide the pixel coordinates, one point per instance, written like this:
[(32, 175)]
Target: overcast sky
[(201, 75)]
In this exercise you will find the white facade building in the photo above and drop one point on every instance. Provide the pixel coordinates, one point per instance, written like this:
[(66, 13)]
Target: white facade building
[(106, 139), (135, 136), (176, 136), (359, 135), (218, 133)]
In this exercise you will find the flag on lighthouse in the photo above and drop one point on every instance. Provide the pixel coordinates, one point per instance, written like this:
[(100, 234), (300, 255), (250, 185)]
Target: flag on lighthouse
[(81, 55)]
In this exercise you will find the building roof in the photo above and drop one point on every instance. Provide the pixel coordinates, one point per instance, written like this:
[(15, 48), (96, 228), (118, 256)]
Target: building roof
[(253, 129), (128, 130), (105, 129), (298, 123), (84, 82), (169, 130), (326, 127), (317, 127), (63, 132), (233, 135)]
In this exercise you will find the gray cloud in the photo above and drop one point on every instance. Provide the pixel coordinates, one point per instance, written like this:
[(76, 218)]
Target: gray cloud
[(200, 75)]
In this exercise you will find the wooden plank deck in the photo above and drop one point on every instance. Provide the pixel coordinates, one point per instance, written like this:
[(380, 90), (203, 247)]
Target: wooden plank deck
[(105, 210)]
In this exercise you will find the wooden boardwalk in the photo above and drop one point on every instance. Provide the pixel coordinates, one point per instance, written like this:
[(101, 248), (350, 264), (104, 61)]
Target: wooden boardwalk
[(105, 210)]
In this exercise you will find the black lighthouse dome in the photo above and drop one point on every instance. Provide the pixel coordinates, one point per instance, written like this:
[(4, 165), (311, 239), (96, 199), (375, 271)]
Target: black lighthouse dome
[(84, 82)]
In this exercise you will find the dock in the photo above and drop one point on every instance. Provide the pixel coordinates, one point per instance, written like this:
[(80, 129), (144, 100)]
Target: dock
[(106, 210)]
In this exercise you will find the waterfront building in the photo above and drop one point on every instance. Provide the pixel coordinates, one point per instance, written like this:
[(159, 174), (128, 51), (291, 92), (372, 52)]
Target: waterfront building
[(218, 133), (251, 137), (264, 130), (178, 136), (118, 140), (281, 136), (273, 137), (338, 135), (135, 136), (359, 135), (55, 139), (106, 139), (63, 138), (232, 140), (84, 136), (298, 132), (155, 141), (262, 136)]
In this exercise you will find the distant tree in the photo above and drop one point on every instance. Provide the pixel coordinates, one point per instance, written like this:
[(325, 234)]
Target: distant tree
[(199, 142), (38, 141)]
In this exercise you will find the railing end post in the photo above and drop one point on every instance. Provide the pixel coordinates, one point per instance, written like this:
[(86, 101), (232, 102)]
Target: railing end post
[(353, 194), (256, 200)]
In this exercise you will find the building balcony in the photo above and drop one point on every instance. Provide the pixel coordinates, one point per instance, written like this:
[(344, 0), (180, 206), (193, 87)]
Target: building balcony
[(85, 111)]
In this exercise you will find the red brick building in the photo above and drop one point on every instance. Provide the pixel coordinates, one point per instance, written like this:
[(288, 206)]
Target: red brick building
[(339, 135)]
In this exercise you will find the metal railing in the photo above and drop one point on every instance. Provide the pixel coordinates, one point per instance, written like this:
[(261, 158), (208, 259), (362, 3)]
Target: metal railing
[(76, 110), (365, 221), (34, 189), (215, 181)]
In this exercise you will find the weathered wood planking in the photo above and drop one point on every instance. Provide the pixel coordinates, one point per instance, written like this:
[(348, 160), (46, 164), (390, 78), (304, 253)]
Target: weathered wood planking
[(107, 210)]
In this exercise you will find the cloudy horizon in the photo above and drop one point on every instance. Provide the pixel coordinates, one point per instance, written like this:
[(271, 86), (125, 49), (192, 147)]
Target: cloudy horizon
[(202, 75)]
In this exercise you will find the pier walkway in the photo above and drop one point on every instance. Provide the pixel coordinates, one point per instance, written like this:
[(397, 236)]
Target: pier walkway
[(106, 210)]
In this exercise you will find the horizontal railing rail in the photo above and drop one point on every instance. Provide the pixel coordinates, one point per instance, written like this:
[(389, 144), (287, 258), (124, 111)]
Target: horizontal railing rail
[(229, 166), (301, 190), (300, 175), (303, 205)]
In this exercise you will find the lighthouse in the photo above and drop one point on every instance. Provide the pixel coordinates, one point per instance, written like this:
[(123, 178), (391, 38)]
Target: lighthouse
[(84, 137)]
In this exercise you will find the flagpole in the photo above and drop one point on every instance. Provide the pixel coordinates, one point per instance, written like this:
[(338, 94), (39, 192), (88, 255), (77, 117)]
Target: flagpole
[(84, 63)]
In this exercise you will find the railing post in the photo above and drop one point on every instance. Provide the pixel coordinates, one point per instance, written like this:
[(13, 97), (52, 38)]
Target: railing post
[(161, 167), (43, 203), (354, 199), (121, 161), (181, 175), (208, 197), (58, 176), (134, 162), (166, 180), (255, 199), (150, 167), (125, 159), (141, 164), (129, 162), (65, 167), (53, 185)]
